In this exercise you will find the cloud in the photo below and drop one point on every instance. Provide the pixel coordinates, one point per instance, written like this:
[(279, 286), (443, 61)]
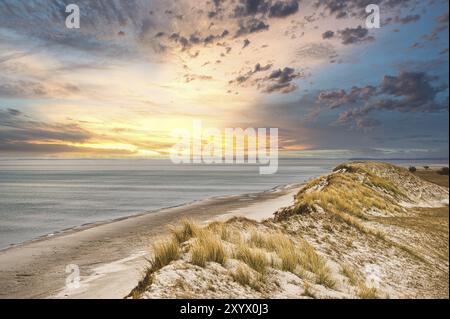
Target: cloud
[(284, 8), (356, 8), (194, 77), (251, 7), (441, 25), (18, 128), (408, 19), (187, 42), (28, 89), (317, 51), (280, 81), (244, 77), (327, 34), (405, 92), (335, 99), (276, 9), (251, 26), (415, 91), (367, 123), (14, 112), (355, 35), (22, 89)]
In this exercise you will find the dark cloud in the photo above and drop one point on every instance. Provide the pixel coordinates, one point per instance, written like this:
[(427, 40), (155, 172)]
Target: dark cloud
[(195, 39), (284, 8), (335, 99), (408, 19), (276, 9), (405, 92), (280, 81), (251, 26), (20, 133), (355, 35), (327, 34), (244, 77), (415, 91), (356, 8), (17, 128), (251, 7)]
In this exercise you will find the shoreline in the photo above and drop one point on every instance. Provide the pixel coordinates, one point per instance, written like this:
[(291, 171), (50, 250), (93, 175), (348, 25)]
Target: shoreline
[(86, 226), (111, 254)]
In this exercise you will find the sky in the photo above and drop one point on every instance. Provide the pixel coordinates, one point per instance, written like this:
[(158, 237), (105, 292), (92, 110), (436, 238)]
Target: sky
[(136, 70)]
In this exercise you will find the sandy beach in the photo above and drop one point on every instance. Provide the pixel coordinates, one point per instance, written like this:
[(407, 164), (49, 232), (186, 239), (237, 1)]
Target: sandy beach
[(112, 256)]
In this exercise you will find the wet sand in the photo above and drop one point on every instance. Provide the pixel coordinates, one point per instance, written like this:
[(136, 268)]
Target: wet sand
[(111, 256)]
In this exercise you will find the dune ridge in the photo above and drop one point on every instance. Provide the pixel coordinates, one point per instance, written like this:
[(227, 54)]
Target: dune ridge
[(365, 230)]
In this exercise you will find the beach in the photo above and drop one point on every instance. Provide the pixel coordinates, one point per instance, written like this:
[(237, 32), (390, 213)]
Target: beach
[(111, 256)]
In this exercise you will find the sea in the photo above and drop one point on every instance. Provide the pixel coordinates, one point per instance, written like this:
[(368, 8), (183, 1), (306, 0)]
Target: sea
[(39, 197)]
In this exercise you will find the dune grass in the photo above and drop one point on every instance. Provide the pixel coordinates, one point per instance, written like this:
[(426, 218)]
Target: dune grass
[(225, 232), (208, 248), (185, 231), (246, 276), (254, 257), (365, 292), (278, 243), (242, 275), (350, 273), (164, 253), (293, 256), (313, 262)]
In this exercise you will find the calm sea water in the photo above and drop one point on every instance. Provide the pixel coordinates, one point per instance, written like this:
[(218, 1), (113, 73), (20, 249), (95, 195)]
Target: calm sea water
[(42, 196)]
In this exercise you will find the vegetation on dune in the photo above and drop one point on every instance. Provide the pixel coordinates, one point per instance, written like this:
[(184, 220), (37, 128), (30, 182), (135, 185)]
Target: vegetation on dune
[(256, 251), (246, 276), (313, 262), (254, 257), (259, 251), (351, 192), (207, 247), (164, 253), (365, 292), (185, 231)]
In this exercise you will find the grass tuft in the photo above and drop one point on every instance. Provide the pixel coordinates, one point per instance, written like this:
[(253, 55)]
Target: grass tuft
[(313, 262), (365, 292), (253, 257), (350, 273), (164, 253), (208, 247), (185, 231)]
